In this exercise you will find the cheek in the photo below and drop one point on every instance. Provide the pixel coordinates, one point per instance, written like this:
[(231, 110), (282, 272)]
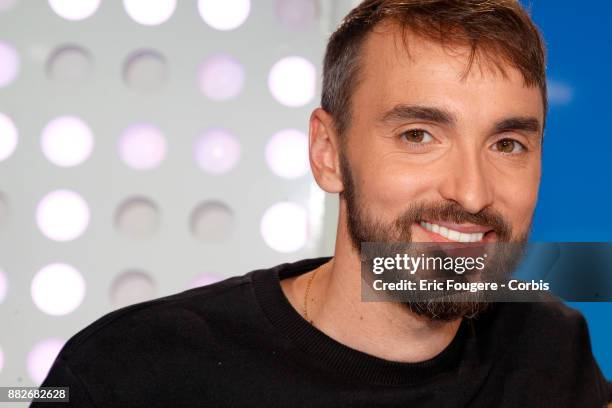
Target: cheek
[(388, 187), (526, 206), (517, 198)]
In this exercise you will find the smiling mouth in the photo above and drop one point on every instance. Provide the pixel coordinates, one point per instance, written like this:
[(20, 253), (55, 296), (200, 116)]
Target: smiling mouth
[(476, 235)]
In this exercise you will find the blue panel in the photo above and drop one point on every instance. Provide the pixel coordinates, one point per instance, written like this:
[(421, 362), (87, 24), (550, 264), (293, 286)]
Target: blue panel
[(576, 192)]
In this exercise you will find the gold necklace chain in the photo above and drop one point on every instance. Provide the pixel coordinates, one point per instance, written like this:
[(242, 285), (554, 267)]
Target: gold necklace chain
[(306, 292)]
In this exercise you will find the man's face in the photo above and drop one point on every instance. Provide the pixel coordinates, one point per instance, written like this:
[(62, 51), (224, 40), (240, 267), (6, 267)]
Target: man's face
[(432, 155)]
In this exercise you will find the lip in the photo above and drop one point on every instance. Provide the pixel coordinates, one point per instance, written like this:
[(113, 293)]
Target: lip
[(467, 228), (489, 234)]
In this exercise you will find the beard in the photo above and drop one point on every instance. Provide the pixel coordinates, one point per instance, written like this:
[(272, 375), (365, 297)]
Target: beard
[(364, 227)]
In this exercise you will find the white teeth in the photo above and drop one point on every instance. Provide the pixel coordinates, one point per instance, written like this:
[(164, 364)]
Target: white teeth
[(452, 234)]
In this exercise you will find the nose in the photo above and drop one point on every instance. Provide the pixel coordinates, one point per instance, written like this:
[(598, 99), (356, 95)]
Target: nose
[(467, 182)]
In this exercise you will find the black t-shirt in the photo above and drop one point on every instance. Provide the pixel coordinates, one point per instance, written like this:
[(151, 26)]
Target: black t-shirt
[(240, 343)]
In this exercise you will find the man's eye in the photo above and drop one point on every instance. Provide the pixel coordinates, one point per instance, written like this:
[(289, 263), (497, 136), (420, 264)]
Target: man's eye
[(509, 146), (417, 136)]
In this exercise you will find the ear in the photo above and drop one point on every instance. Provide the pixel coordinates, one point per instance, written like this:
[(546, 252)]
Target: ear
[(324, 152)]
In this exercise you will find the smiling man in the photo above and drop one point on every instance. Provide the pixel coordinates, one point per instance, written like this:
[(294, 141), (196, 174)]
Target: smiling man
[(430, 130)]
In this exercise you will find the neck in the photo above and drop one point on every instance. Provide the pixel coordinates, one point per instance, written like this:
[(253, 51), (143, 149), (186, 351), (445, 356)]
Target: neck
[(383, 329)]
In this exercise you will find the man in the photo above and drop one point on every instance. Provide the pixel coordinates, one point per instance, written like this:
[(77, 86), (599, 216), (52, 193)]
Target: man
[(430, 130)]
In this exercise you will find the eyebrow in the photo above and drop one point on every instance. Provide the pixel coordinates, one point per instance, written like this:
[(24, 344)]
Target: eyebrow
[(520, 123), (403, 112)]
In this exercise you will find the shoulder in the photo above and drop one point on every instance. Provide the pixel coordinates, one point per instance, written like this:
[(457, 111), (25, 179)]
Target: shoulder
[(548, 316), (141, 329), (548, 326), (135, 353), (548, 341), (202, 320)]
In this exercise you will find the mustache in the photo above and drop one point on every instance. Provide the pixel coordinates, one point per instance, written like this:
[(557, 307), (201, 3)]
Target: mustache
[(452, 212)]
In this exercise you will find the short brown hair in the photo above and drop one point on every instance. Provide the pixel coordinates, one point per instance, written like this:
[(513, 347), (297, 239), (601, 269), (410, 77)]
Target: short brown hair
[(495, 28)]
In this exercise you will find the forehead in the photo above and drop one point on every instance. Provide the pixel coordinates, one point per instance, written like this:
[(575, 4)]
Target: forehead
[(398, 66)]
